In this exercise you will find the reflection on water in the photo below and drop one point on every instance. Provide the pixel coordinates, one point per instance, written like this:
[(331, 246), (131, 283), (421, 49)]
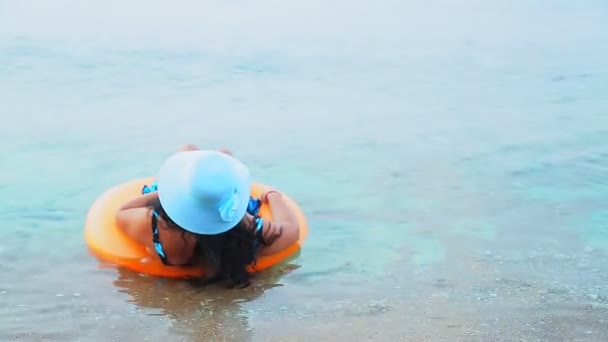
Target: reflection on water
[(209, 313)]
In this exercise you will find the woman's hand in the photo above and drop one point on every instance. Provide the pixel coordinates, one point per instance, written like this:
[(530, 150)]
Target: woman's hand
[(192, 147), (188, 147), (226, 151)]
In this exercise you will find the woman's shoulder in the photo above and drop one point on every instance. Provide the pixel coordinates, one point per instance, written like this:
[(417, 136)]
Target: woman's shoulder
[(135, 223)]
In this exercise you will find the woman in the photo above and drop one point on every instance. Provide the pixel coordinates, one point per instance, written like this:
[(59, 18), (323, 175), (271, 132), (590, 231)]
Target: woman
[(202, 214)]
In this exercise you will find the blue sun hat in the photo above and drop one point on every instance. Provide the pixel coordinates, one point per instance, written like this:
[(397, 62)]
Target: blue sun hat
[(204, 192)]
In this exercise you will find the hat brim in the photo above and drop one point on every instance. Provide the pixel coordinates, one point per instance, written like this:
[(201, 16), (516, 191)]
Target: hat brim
[(182, 207)]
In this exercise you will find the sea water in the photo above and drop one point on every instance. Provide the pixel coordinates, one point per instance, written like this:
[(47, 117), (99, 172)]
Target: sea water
[(451, 158)]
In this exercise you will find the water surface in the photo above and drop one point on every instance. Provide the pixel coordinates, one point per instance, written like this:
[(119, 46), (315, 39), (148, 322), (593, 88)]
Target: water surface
[(451, 159)]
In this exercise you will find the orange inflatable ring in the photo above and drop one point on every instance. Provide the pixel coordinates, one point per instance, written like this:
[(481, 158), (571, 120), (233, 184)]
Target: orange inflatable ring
[(108, 243)]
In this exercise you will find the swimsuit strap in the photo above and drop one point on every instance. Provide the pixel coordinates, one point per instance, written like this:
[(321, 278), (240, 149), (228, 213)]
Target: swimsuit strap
[(259, 229), (253, 208), (156, 239), (147, 189)]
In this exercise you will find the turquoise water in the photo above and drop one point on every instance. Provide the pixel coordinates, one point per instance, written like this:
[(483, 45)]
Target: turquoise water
[(451, 158)]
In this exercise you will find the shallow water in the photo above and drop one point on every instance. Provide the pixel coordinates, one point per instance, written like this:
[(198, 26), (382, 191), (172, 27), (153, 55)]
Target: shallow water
[(451, 159)]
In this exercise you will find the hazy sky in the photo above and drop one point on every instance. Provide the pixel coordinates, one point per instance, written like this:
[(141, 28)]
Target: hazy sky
[(303, 26)]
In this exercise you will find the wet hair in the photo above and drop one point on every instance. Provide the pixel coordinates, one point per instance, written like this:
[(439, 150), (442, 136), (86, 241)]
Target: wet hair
[(225, 256)]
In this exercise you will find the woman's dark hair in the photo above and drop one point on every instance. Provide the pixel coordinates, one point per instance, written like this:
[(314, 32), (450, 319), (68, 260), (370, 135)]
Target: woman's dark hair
[(225, 256)]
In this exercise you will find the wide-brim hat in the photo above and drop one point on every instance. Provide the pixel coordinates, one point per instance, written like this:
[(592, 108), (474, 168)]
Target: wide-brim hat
[(204, 192)]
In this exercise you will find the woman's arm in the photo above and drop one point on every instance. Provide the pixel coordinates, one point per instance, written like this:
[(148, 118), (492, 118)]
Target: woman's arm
[(140, 202), (284, 222), (133, 219), (281, 212)]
